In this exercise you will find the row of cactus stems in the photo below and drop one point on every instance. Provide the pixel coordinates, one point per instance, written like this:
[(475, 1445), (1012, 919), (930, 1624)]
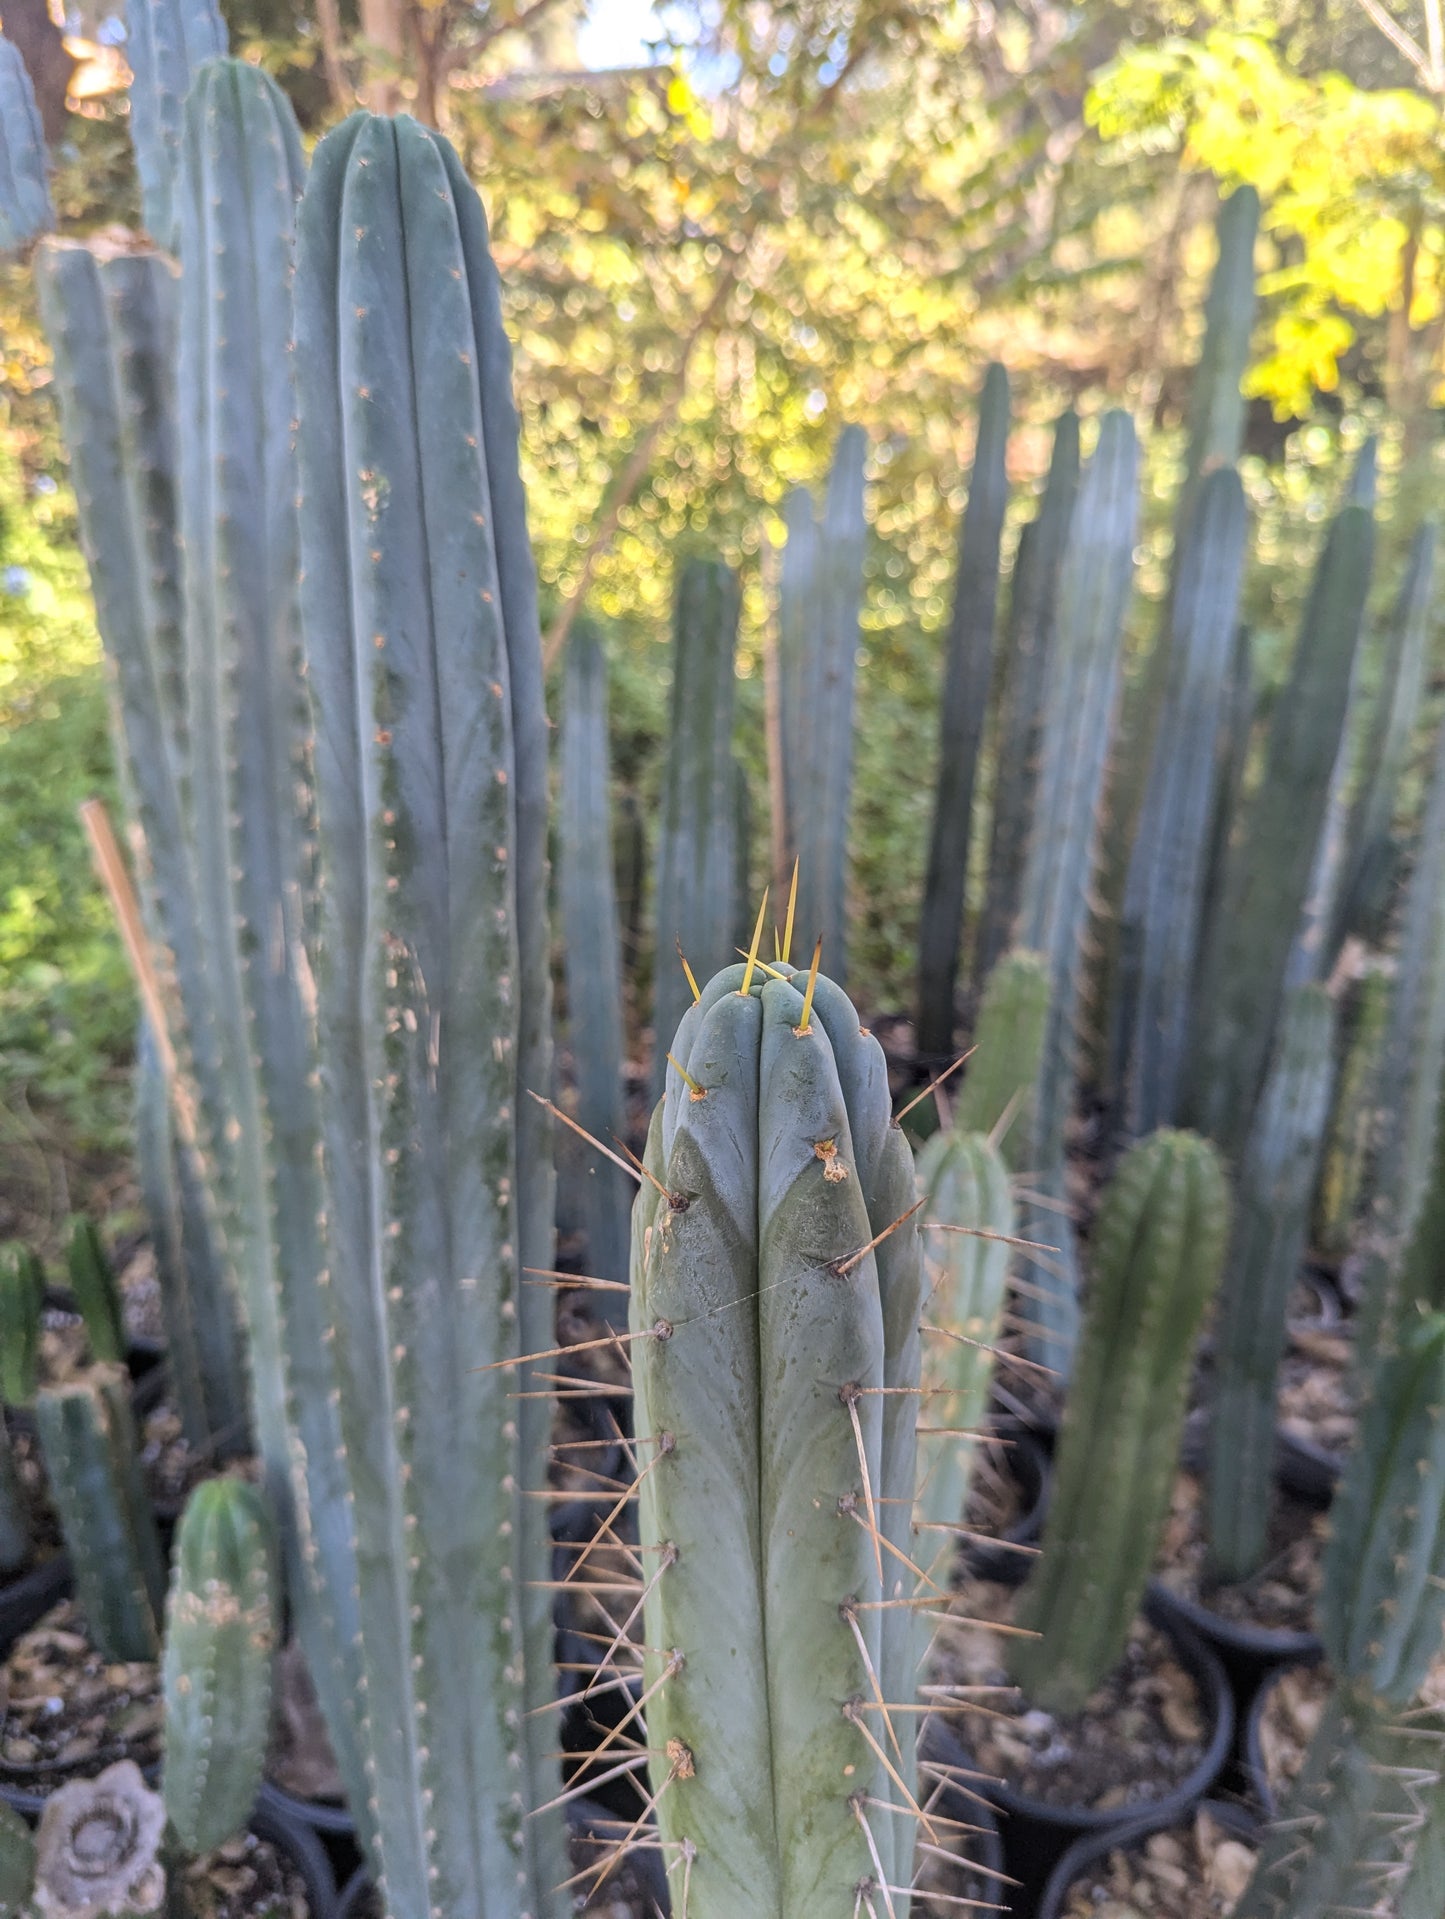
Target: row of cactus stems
[(111, 318), (1003, 1062), (432, 1006), (223, 1619), (588, 904), (1368, 866), (696, 852), (967, 680), (820, 593), (968, 1212), (240, 174), (205, 1343), (1163, 892), (97, 1292), (87, 1433), (1055, 897), (25, 209), (766, 1325), (1362, 1823), (1275, 1184), (1028, 637), (22, 1300), (167, 44), (1271, 862), (1157, 1246)]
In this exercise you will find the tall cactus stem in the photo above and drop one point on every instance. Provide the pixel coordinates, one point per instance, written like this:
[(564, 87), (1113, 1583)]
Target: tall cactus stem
[(967, 680), (1003, 1064), (22, 1300), (25, 208), (97, 1292), (167, 44)]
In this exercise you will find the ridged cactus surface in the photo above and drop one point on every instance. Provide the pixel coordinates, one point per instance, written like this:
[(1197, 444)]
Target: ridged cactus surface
[(694, 907), (821, 590), (97, 1291), (588, 901), (766, 1329), (25, 209), (968, 1218), (967, 679), (1269, 869), (223, 1618), (1277, 1174), (88, 1437), (1002, 1069), (432, 1006), (240, 175), (1158, 1246), (1163, 893), (1082, 695), (167, 44), (1216, 400), (1382, 1605), (1028, 641), (22, 1300), (1349, 1138)]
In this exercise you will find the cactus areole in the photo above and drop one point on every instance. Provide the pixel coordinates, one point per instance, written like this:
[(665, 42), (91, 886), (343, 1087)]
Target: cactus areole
[(772, 1309)]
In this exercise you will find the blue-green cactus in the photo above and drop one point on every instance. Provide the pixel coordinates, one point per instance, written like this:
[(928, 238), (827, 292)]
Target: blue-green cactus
[(25, 209), (167, 44)]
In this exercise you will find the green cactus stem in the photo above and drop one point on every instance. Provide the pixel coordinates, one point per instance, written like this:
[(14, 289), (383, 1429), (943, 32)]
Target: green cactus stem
[(1082, 695), (821, 589), (1028, 639), (205, 1345), (968, 1218), (1216, 400), (97, 1291), (1349, 1138), (1277, 1175), (22, 1300), (25, 209), (1158, 1246), (433, 1008), (1248, 945), (167, 44), (1003, 1063), (696, 856), (15, 1541), (1356, 1819), (1163, 893), (590, 939), (17, 1861), (222, 1619), (88, 1437), (771, 1449), (1382, 1605), (1370, 859), (1231, 751), (967, 680)]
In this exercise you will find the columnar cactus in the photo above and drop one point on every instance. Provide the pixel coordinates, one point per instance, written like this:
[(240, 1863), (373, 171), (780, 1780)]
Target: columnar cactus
[(1055, 901), (821, 588), (1276, 1182), (1163, 893), (1382, 1604), (1003, 1063), (588, 901), (1216, 400), (88, 1437), (97, 1291), (205, 1345), (167, 44), (1232, 743), (696, 863), (22, 1299), (241, 171), (25, 209), (1349, 1137), (1158, 1245), (767, 1326), (1268, 875), (223, 1617), (1028, 640), (1368, 858), (432, 1008), (967, 679), (968, 1219)]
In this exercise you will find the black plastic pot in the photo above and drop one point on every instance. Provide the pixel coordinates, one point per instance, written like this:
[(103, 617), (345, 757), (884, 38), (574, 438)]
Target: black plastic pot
[(1091, 1848), (28, 1598), (1306, 1470), (1250, 1655), (1252, 1765), (1036, 1835)]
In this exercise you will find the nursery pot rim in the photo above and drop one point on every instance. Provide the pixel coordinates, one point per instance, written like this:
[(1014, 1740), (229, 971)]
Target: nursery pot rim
[(1270, 1645), (1254, 1765), (1092, 1846)]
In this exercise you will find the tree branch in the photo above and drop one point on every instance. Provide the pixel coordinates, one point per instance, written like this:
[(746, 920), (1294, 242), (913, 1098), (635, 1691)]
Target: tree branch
[(1404, 43)]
